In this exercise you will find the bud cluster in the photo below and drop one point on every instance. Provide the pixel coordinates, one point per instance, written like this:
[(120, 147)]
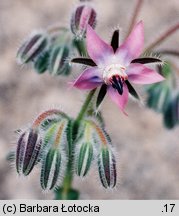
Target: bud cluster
[(164, 97), (50, 49), (44, 143), (47, 144), (47, 52), (95, 146)]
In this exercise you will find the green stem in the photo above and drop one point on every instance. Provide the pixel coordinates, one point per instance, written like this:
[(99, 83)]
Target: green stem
[(66, 191), (68, 180), (85, 105)]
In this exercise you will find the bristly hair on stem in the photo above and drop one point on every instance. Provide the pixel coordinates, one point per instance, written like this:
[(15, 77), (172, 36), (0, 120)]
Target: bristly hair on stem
[(169, 52)]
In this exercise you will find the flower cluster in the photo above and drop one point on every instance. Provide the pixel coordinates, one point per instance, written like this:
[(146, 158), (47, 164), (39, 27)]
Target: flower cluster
[(49, 49), (64, 146)]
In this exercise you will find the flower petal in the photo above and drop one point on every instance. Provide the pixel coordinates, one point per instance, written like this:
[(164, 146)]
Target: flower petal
[(89, 79), (140, 74), (98, 50), (120, 100), (132, 46)]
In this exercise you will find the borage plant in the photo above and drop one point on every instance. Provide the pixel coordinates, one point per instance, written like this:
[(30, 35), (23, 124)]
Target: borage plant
[(64, 146)]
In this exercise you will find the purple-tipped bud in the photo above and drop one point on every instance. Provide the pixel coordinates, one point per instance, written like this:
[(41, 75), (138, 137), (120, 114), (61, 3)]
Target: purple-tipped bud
[(83, 15), (107, 168), (28, 148), (54, 157), (32, 47)]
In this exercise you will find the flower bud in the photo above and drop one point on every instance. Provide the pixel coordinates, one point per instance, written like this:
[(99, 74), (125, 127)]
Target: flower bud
[(159, 95), (58, 61), (107, 167), (41, 62), (82, 16), (32, 47), (46, 119), (105, 156), (54, 157), (84, 159), (51, 166), (28, 148), (171, 113)]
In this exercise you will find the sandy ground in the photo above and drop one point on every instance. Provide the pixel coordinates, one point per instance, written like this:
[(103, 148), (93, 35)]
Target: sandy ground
[(148, 154)]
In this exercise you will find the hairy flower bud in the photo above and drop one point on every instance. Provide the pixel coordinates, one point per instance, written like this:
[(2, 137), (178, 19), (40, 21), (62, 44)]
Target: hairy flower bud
[(46, 119), (105, 156), (54, 157), (28, 148), (82, 16), (84, 159), (32, 47), (159, 95), (41, 62), (107, 167), (58, 61), (51, 169), (171, 113)]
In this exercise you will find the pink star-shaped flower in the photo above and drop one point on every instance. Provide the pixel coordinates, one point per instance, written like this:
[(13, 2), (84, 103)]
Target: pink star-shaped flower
[(113, 67)]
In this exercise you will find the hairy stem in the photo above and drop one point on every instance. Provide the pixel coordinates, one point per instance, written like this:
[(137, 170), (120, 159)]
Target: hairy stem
[(169, 52), (68, 180), (165, 35), (135, 15), (85, 105)]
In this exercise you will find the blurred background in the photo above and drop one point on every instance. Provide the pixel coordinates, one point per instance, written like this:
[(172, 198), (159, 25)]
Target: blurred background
[(148, 154)]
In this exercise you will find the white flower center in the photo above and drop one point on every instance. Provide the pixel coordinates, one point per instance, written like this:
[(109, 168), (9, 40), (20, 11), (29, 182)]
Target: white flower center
[(114, 70)]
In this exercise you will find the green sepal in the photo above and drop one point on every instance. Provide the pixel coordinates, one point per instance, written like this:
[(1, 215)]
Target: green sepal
[(41, 62), (51, 165), (158, 96), (107, 167), (58, 64), (171, 114), (165, 70), (84, 159)]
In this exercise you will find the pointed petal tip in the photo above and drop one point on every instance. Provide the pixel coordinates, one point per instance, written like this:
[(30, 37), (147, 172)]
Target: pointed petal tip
[(140, 74)]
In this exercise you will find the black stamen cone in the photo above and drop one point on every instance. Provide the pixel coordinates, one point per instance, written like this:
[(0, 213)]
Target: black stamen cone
[(117, 84)]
